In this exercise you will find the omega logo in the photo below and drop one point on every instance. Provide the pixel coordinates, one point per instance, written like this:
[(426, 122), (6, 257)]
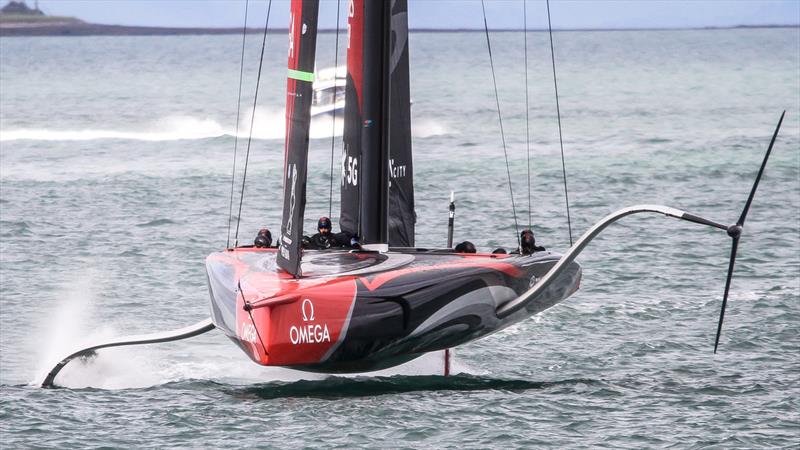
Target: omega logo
[(307, 305), (310, 332)]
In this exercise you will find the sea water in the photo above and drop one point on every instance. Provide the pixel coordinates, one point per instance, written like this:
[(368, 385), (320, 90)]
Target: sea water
[(116, 157)]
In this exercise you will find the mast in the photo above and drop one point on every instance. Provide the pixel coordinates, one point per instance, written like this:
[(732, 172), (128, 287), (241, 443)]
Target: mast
[(375, 135), (299, 90), (376, 92)]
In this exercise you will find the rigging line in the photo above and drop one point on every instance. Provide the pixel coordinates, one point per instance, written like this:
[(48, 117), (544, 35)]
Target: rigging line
[(249, 308), (335, 89), (558, 113), (527, 107), (236, 133), (252, 120), (500, 118)]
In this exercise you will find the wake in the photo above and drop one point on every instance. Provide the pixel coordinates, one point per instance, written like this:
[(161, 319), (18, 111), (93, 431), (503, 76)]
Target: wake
[(268, 124), (73, 325), (169, 129)]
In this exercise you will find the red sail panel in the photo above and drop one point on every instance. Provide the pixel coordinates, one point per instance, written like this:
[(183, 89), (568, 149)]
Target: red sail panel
[(299, 93), (355, 49)]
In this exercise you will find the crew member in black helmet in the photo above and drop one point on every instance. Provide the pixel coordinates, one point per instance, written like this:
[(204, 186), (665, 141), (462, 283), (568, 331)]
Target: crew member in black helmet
[(465, 247), (324, 238), (263, 238), (528, 243)]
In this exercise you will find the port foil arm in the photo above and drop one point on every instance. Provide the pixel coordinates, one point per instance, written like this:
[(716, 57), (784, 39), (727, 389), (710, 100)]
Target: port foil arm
[(518, 303)]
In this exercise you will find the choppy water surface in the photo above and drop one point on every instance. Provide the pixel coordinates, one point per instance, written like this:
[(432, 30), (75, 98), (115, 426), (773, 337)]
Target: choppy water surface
[(115, 163)]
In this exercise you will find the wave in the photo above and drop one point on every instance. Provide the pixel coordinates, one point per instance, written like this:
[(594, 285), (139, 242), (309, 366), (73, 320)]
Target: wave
[(168, 129), (427, 128), (156, 222), (14, 228), (268, 124)]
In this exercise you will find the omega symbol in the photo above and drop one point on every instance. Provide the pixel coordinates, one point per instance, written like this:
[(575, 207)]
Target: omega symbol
[(308, 312)]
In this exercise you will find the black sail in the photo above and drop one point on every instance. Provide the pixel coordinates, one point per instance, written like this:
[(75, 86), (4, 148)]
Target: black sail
[(299, 92), (402, 217), (377, 187)]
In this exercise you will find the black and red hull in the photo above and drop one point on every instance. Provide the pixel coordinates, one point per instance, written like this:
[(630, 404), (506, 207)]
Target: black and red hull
[(365, 311)]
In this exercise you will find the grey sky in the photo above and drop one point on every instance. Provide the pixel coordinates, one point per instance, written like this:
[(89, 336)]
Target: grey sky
[(445, 13)]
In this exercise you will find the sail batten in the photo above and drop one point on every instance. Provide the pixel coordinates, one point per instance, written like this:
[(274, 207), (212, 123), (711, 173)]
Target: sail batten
[(299, 93)]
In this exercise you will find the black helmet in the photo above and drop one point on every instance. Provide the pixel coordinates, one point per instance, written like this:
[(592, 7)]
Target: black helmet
[(263, 239), (527, 242), (465, 247), (324, 222)]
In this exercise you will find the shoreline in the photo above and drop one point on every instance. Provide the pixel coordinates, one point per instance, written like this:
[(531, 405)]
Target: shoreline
[(22, 29)]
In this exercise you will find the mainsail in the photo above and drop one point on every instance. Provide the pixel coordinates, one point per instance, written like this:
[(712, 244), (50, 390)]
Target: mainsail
[(349, 218), (402, 216), (302, 47), (377, 194)]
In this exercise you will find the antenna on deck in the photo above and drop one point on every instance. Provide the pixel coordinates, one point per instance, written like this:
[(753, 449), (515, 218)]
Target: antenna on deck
[(451, 219)]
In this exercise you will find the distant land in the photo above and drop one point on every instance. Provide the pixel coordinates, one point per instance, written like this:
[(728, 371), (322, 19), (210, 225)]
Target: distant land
[(17, 19)]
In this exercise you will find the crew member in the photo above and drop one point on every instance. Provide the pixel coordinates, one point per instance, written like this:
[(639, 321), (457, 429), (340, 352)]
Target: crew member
[(528, 243), (263, 238), (465, 247), (325, 238)]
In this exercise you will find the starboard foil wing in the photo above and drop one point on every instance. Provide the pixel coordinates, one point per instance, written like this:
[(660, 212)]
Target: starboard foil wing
[(153, 338)]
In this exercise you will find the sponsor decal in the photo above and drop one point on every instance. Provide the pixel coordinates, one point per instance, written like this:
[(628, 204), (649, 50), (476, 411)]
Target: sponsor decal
[(291, 35), (293, 176), (396, 171), (309, 332), (249, 333), (351, 11), (349, 169), (285, 239)]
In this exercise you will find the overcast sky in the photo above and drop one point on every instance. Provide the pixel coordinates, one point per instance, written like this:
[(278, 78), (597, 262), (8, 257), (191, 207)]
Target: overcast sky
[(445, 13)]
